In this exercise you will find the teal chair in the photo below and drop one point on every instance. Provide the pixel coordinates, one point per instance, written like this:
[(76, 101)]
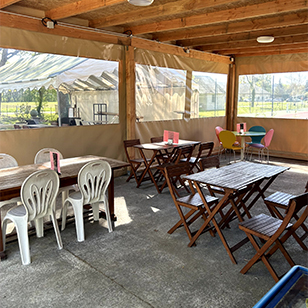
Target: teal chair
[(256, 139)]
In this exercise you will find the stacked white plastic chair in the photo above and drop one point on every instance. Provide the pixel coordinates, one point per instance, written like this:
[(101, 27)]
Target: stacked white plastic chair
[(93, 180), (38, 193)]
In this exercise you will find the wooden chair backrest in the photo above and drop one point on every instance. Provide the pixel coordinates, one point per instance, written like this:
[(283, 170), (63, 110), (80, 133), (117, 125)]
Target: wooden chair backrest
[(209, 162), (185, 152), (174, 171), (300, 202), (128, 144), (206, 147), (157, 139)]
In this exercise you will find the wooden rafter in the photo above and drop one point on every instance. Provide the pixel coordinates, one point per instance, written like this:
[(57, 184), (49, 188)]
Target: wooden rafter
[(80, 7), (31, 24), (219, 27), (34, 24), (268, 50), (172, 7), (260, 49), (248, 11), (5, 3), (183, 37), (253, 43), (244, 36), (156, 46)]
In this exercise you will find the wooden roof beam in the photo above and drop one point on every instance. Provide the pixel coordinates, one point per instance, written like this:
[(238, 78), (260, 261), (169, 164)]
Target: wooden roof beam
[(278, 51), (80, 7), (253, 24), (247, 11), (267, 50), (276, 32), (175, 50), (153, 11), (5, 3), (253, 43), (18, 21)]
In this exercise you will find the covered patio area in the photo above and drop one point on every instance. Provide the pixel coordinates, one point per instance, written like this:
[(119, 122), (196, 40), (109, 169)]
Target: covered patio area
[(140, 264), (180, 65)]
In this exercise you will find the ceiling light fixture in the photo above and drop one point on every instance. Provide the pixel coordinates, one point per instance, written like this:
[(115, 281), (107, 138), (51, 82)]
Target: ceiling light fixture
[(265, 39), (48, 22), (141, 2)]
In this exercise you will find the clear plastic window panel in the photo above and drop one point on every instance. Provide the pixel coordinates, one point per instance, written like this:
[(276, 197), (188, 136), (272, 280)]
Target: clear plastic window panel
[(280, 95), (160, 93), (208, 97), (45, 90)]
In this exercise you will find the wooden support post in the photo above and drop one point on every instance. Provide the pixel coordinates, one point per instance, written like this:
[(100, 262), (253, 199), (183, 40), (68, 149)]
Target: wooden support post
[(230, 106), (130, 94), (188, 95)]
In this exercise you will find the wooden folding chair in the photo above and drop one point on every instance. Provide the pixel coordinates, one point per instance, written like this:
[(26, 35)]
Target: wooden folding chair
[(161, 156), (192, 201), (271, 231), (181, 154), (279, 201), (205, 150), (211, 162), (135, 163), (157, 139)]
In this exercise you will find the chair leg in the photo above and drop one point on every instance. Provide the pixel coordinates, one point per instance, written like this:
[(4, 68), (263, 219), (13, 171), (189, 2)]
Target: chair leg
[(21, 225), (133, 172), (39, 227), (23, 240), (63, 214), (179, 223), (257, 256), (56, 228), (64, 196), (95, 210), (4, 225), (285, 253), (108, 216), (78, 212)]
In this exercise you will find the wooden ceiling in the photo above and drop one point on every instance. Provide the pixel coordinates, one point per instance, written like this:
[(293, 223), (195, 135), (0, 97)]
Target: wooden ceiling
[(216, 26)]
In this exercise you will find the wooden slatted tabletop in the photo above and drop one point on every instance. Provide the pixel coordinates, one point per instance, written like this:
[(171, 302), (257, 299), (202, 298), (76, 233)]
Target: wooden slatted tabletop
[(11, 179), (236, 176)]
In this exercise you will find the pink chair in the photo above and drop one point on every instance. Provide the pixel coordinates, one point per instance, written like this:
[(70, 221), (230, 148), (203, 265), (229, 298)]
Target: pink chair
[(262, 147)]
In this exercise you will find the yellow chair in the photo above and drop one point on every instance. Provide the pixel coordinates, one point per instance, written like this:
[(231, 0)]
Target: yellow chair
[(227, 139)]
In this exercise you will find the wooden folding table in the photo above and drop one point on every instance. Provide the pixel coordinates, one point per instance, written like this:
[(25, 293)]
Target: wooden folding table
[(239, 182), (156, 148)]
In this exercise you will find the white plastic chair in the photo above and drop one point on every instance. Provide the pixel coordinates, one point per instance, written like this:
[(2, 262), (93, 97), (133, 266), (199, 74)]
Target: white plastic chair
[(93, 180), (8, 161), (43, 156), (38, 193)]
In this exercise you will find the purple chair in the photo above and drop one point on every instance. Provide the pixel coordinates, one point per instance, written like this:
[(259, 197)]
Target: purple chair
[(262, 147)]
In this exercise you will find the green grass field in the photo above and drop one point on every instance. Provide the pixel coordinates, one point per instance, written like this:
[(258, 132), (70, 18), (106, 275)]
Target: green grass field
[(261, 109)]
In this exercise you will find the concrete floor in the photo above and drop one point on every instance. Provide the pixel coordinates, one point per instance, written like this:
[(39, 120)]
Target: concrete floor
[(140, 264)]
